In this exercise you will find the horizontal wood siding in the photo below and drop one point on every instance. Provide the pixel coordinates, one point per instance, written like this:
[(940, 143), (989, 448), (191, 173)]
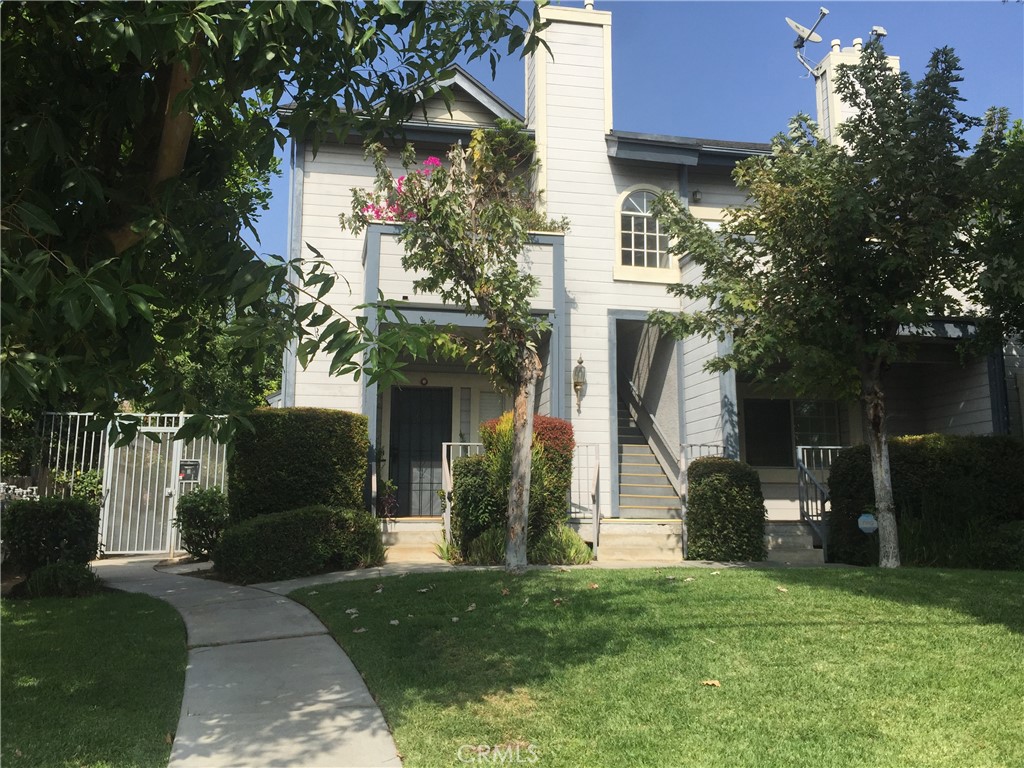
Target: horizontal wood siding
[(464, 111)]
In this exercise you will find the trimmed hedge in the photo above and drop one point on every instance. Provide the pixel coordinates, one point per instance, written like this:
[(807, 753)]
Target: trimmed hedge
[(724, 511), (475, 508), (39, 532), (959, 502), (298, 457), (299, 542), (560, 545), (62, 579), (202, 516)]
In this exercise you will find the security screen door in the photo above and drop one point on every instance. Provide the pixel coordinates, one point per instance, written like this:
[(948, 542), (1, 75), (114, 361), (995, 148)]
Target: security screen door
[(421, 420)]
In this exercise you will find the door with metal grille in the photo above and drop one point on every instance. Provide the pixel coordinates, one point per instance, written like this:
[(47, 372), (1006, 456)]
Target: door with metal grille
[(421, 420)]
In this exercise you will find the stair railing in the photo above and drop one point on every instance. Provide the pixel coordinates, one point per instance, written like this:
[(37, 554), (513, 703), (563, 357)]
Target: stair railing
[(649, 428), (813, 463)]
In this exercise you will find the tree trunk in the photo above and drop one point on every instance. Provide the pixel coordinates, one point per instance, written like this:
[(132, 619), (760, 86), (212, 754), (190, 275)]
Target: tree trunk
[(522, 441), (878, 445)]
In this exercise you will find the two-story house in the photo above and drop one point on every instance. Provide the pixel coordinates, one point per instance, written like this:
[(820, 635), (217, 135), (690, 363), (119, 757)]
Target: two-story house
[(647, 405)]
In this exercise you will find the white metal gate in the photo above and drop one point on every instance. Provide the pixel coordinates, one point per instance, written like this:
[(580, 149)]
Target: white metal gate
[(142, 481)]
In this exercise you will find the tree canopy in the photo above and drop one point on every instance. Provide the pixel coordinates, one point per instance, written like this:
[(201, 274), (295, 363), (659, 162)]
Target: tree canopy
[(845, 250), (137, 144), (465, 226)]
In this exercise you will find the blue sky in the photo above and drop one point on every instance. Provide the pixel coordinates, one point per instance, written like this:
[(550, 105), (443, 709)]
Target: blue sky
[(727, 70)]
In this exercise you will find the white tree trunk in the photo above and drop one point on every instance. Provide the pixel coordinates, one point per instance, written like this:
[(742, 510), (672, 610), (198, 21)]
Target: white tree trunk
[(519, 488), (878, 445)]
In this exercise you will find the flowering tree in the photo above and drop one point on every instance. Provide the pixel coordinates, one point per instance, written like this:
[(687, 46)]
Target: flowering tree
[(465, 225)]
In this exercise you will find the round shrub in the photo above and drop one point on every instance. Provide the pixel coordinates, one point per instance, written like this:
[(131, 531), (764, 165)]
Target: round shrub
[(298, 457), (62, 579), (202, 517), (300, 542), (560, 545), (725, 511), (37, 532)]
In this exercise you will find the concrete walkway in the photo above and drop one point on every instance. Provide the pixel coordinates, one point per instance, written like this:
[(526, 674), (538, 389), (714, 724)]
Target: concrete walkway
[(266, 685)]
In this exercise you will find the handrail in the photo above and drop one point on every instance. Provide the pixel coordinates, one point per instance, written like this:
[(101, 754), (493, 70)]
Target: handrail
[(636, 400), (812, 492)]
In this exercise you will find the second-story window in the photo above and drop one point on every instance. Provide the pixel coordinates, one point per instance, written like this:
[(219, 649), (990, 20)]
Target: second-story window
[(644, 244)]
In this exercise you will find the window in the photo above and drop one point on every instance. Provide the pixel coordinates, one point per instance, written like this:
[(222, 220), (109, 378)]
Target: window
[(773, 428), (643, 242)]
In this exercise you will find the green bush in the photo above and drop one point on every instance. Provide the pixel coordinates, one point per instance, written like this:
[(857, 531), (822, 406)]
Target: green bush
[(298, 457), (488, 548), (299, 542), (725, 511), (560, 545), (955, 500), (475, 509), (38, 532), (77, 484), (202, 517), (62, 579)]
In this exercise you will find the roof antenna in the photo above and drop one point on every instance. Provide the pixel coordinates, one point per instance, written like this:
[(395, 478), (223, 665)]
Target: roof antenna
[(805, 35)]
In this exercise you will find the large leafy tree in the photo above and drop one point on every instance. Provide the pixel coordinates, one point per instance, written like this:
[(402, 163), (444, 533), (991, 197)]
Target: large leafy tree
[(845, 249), (126, 129), (465, 226)]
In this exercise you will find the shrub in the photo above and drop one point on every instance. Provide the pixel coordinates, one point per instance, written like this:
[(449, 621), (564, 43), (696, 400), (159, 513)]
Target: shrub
[(299, 542), (724, 511), (62, 579), (77, 484), (953, 497), (202, 517), (38, 532), (551, 469), (298, 457), (475, 509), (488, 548), (560, 545)]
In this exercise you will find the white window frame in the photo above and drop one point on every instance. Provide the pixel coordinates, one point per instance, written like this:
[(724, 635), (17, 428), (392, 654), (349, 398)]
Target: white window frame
[(645, 274)]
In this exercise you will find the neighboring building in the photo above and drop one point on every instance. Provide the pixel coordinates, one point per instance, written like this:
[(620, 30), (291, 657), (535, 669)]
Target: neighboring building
[(646, 396)]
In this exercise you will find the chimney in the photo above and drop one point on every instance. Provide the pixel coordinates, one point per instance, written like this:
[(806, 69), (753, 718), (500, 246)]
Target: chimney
[(831, 109)]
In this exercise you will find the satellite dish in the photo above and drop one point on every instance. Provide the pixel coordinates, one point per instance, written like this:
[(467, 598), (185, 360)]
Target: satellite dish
[(804, 35)]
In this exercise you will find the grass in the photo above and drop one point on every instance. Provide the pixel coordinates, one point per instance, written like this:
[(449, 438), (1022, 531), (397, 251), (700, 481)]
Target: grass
[(90, 682), (606, 668)]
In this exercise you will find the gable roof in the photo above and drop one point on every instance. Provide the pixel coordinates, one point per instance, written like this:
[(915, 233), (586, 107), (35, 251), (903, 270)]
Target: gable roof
[(680, 150), (478, 93)]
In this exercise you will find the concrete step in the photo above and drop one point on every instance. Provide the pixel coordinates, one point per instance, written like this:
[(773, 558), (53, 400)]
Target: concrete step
[(408, 554), (641, 541), (788, 535), (631, 454), (649, 512)]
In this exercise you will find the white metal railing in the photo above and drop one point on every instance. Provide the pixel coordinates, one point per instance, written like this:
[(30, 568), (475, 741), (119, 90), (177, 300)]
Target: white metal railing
[(687, 453), (813, 463), (584, 493)]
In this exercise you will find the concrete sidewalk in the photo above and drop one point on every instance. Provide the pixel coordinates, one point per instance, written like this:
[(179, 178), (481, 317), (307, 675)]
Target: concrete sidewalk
[(266, 685)]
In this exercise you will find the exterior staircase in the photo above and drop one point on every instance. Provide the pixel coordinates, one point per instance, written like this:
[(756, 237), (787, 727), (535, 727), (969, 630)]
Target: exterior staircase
[(645, 492)]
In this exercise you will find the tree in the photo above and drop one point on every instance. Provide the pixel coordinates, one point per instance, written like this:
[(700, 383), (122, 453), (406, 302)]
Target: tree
[(136, 142), (465, 225), (844, 250), (996, 232)]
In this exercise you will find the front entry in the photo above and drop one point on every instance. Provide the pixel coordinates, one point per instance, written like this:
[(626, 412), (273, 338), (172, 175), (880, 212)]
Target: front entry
[(421, 420)]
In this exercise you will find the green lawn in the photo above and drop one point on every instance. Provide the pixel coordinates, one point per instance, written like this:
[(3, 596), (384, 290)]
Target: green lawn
[(94, 681), (605, 668)]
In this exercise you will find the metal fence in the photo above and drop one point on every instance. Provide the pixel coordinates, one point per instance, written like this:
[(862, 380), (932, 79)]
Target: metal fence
[(141, 482)]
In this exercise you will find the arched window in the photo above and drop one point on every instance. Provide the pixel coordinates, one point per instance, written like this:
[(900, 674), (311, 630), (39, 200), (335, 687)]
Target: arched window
[(643, 242)]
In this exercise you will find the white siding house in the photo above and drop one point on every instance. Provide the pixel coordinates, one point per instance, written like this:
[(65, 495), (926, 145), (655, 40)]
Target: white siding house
[(648, 400)]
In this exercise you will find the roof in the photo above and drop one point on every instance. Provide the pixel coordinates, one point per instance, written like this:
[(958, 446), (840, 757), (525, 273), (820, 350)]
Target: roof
[(680, 150)]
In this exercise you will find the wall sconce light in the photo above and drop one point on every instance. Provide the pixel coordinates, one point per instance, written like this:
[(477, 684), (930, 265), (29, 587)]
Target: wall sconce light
[(697, 195), (579, 381)]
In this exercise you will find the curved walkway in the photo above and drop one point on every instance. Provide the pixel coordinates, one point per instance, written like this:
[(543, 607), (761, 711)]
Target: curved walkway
[(266, 685)]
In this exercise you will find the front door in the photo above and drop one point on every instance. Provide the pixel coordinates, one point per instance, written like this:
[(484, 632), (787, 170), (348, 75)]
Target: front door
[(421, 419)]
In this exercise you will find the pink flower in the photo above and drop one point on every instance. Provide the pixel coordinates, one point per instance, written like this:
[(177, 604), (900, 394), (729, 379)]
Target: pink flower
[(432, 162)]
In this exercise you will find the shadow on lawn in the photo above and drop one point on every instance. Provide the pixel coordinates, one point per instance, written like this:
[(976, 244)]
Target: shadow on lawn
[(992, 597)]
